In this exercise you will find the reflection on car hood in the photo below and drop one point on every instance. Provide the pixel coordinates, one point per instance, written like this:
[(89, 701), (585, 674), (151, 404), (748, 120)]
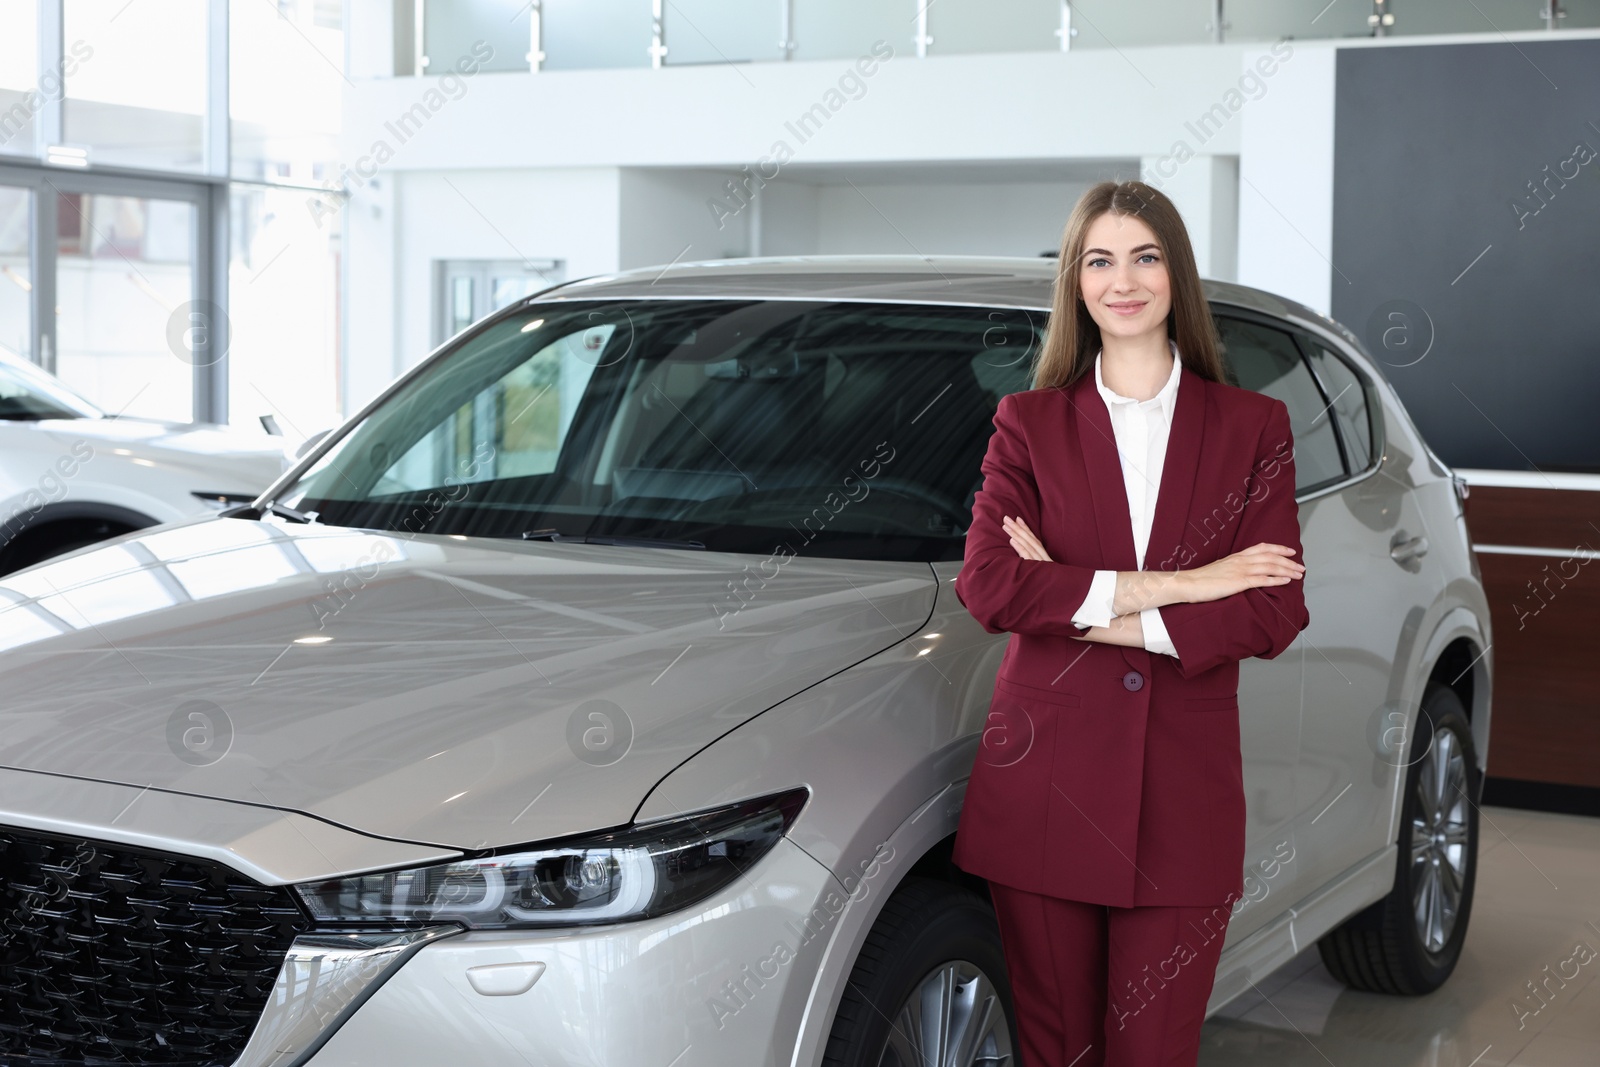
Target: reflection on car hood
[(196, 439), (235, 459), (462, 693)]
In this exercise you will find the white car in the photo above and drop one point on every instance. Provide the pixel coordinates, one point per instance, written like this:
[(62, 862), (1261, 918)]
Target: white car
[(70, 475), (598, 697)]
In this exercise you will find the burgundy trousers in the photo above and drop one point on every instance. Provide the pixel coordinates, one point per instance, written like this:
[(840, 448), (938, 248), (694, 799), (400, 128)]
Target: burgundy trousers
[(1099, 986)]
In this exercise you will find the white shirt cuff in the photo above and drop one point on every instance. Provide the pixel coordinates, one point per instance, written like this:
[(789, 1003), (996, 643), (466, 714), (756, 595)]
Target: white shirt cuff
[(1156, 638), (1096, 607)]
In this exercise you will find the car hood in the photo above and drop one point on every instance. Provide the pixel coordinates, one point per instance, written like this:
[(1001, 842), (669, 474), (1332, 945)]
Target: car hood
[(464, 693), (253, 460)]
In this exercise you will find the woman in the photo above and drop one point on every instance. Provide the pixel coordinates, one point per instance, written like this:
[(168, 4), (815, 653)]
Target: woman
[(1137, 535)]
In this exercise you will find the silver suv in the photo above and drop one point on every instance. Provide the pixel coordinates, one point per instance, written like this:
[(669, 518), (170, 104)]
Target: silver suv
[(599, 696)]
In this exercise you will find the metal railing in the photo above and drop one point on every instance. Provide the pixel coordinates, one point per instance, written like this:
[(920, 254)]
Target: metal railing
[(535, 35)]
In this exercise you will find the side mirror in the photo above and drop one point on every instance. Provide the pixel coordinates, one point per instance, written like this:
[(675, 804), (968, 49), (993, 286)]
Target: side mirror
[(309, 443)]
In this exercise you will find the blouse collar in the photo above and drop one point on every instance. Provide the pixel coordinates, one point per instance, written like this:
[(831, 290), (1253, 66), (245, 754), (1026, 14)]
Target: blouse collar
[(1165, 398)]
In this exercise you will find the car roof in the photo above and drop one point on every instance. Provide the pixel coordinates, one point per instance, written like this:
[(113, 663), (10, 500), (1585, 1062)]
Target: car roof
[(993, 281)]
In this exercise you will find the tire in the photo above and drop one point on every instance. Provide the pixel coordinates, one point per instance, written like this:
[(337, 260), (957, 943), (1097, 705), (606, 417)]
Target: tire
[(57, 539), (1408, 942), (931, 939)]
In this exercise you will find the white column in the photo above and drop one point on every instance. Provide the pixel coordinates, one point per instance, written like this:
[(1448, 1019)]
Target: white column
[(369, 39), (678, 215), (1286, 181), (374, 354), (1205, 190)]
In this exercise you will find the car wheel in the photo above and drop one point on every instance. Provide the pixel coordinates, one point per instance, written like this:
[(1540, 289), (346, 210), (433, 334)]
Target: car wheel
[(929, 986), (1408, 942), (57, 539)]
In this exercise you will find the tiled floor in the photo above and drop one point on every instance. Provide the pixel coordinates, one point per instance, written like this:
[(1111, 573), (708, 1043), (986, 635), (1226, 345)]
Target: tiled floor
[(1537, 905)]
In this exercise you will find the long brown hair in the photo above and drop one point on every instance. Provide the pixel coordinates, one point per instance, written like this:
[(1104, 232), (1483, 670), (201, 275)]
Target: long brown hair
[(1073, 337)]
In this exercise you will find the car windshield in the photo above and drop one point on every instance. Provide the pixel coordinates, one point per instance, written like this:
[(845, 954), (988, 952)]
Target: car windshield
[(27, 393), (846, 430)]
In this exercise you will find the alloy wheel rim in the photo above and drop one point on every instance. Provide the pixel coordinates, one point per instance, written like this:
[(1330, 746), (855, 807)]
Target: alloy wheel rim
[(1440, 839), (953, 1018)]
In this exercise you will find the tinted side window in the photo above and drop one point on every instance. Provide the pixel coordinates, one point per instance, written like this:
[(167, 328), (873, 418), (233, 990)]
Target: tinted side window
[(1267, 361), (1348, 401), (1011, 342)]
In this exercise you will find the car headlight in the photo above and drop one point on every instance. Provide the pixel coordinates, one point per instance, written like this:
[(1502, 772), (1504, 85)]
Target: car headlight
[(634, 873)]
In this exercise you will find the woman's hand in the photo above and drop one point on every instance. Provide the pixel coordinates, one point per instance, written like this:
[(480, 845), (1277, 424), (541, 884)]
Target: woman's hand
[(1022, 539), (1258, 565)]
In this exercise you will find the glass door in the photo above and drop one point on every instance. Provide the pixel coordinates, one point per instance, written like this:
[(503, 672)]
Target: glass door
[(111, 284), (466, 290), (128, 331)]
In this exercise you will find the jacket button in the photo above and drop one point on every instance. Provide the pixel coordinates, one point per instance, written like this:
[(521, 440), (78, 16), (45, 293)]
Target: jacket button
[(1133, 680)]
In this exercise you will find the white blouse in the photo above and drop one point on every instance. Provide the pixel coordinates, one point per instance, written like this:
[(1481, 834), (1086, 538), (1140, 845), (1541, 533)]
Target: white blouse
[(1141, 428)]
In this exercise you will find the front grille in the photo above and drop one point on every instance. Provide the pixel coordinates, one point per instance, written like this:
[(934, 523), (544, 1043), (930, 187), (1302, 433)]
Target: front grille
[(114, 955)]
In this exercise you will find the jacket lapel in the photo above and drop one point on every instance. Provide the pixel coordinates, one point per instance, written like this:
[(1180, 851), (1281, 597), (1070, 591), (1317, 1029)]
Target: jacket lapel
[(1178, 473), (1098, 446)]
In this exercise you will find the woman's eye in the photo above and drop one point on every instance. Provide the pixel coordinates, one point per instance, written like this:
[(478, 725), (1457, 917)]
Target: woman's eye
[(1150, 256), (1097, 261)]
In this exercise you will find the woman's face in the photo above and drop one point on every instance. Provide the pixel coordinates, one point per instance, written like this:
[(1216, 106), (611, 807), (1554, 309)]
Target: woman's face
[(1123, 277)]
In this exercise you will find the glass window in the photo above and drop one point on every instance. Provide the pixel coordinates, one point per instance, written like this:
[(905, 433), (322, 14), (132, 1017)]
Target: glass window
[(592, 34), (283, 295), (847, 430), (1119, 24), (124, 292), (847, 29), (1268, 20), (284, 68), (1266, 360), (138, 98), (1480, 16), (722, 31), (19, 75), (16, 273), (1011, 343), (487, 34), (994, 26), (1348, 402)]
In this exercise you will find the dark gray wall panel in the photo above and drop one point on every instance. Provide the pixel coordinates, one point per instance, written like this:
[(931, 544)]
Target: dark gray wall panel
[(1433, 148)]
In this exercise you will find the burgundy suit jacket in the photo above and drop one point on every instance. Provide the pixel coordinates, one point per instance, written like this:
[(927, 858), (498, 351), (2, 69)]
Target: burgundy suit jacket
[(1107, 773)]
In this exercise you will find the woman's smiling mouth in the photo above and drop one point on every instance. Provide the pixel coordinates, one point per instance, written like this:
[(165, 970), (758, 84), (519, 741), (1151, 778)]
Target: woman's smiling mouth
[(1128, 307)]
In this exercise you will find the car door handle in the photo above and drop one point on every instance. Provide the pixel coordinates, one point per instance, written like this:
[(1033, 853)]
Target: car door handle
[(1403, 550)]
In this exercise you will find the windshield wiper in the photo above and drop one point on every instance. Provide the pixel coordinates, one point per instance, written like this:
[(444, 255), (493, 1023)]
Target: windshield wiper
[(246, 511), (552, 534)]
